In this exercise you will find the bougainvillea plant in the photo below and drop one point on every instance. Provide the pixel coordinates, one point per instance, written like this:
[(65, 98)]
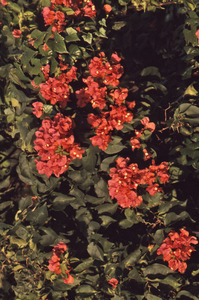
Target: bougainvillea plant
[(99, 149)]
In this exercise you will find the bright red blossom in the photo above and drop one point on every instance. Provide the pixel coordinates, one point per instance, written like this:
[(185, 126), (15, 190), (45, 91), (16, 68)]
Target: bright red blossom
[(176, 249), (148, 125), (55, 17), (55, 145), (4, 2), (54, 262), (56, 89), (119, 95), (125, 180), (113, 282), (102, 74), (37, 109), (69, 279), (16, 33), (107, 8), (197, 34)]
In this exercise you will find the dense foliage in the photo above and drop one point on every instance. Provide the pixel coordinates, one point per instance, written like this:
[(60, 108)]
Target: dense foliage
[(99, 149)]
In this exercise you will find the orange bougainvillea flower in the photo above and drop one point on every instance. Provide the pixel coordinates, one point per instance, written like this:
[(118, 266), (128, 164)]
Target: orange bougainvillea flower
[(69, 279), (4, 2), (197, 34), (107, 8), (176, 249), (16, 33), (37, 109), (113, 282)]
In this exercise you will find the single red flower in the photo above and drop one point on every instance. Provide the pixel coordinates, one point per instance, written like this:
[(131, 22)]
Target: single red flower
[(16, 33), (4, 2), (45, 47), (113, 282), (107, 8), (69, 279), (197, 34), (37, 110)]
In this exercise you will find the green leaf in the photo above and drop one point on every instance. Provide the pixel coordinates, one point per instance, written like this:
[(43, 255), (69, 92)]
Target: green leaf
[(172, 217), (132, 258), (106, 220), (86, 289), (5, 205), (48, 238), (4, 70), (105, 164), (38, 36), (14, 6), (186, 294), (190, 4), (156, 269), (124, 224), (24, 170), (72, 35), (57, 44), (19, 242), (101, 188), (61, 201), (95, 251), (151, 71), (172, 281), (133, 217), (86, 264), (94, 200), (133, 274), (114, 148), (190, 37), (74, 51), (27, 55), (158, 236), (152, 297), (119, 25), (191, 91), (22, 232), (89, 161), (88, 37), (153, 201), (107, 208), (17, 268), (39, 216), (15, 79)]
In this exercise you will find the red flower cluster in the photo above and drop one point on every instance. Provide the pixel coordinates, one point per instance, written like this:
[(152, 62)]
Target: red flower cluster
[(55, 144), (38, 109), (56, 19), (103, 75), (176, 249), (54, 262), (53, 16), (126, 179), (135, 142), (106, 122), (57, 89), (113, 282)]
